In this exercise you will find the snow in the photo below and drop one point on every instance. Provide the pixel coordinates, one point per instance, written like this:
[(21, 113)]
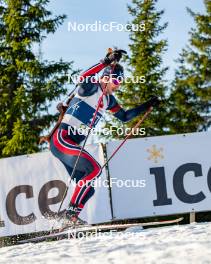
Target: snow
[(172, 244)]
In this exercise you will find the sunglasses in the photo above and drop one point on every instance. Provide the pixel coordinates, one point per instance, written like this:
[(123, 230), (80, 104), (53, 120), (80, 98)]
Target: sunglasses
[(115, 81)]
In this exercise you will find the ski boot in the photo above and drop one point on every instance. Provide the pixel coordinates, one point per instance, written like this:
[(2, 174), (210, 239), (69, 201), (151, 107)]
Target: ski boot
[(70, 218)]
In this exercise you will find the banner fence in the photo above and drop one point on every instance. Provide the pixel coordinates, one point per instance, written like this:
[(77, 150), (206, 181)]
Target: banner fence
[(147, 177)]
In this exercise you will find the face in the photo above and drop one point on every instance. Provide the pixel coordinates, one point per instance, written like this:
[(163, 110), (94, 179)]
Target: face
[(111, 84)]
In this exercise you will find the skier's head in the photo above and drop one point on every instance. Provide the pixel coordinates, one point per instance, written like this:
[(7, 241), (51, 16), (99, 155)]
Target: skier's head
[(112, 77)]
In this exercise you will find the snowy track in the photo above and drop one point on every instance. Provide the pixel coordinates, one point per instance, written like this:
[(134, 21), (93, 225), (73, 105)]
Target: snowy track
[(173, 244)]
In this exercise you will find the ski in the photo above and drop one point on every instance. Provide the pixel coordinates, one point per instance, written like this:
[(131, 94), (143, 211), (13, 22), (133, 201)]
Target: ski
[(77, 231)]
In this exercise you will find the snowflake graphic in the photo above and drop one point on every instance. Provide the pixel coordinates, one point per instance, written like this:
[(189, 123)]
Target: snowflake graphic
[(155, 153)]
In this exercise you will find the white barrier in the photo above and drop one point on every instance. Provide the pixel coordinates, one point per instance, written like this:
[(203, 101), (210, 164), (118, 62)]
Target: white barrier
[(32, 187), (149, 176), (175, 171)]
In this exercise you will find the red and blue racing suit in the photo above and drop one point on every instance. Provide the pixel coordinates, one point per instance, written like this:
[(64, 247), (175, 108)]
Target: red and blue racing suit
[(65, 144)]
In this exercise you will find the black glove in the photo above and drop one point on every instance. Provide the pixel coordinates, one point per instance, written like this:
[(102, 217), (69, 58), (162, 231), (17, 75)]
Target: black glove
[(114, 55), (154, 101)]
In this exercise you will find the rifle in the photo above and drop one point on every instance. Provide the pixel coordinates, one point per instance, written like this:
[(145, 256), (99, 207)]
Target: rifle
[(62, 109)]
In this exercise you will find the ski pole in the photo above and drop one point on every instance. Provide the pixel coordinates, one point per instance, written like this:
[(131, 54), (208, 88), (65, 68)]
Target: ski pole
[(128, 136)]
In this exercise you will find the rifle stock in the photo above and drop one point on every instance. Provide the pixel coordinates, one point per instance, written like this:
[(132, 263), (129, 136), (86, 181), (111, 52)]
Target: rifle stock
[(62, 109)]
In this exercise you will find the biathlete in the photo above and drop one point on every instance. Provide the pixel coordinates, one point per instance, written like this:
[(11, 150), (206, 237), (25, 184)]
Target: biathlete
[(65, 142)]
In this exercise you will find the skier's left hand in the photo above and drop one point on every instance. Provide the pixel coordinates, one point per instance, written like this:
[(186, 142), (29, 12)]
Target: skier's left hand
[(154, 101)]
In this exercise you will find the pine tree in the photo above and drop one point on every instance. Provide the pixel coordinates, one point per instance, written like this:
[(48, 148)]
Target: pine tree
[(144, 64), (190, 100), (27, 85)]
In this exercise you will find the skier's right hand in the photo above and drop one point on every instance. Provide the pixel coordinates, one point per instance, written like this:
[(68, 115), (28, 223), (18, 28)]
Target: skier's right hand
[(113, 55)]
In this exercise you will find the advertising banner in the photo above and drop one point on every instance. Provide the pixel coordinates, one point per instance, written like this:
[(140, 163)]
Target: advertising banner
[(161, 175), (31, 190)]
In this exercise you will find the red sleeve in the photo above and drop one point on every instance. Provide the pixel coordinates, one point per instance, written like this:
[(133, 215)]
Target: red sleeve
[(115, 109), (93, 70)]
